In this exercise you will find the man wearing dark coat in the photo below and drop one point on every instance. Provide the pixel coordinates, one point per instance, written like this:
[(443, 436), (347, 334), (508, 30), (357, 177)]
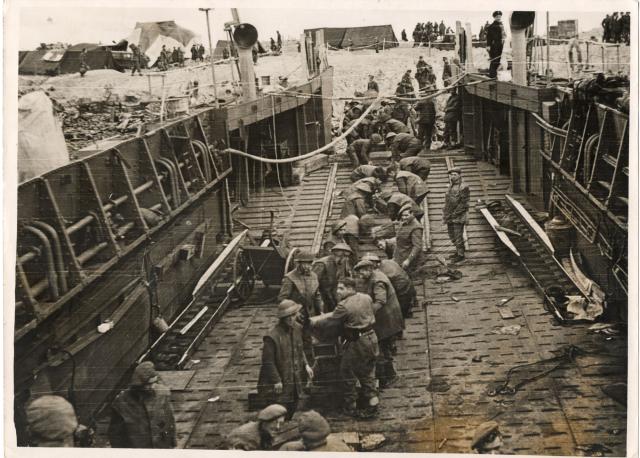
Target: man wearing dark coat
[(201, 53), (284, 370), (141, 415), (389, 320), (404, 35), (412, 185), (446, 72), (495, 42), (403, 145), (400, 280), (137, 59), (408, 249), (258, 435), (331, 269), (302, 286), (194, 53), (454, 214), (421, 166), (452, 112), (426, 110)]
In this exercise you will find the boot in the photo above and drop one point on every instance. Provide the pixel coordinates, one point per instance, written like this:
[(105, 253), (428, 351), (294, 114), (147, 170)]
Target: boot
[(458, 258)]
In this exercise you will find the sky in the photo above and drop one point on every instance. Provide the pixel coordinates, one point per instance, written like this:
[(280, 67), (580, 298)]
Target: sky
[(45, 24)]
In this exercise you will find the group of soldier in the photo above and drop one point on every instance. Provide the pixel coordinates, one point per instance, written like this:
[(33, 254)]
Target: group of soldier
[(616, 28), (423, 33)]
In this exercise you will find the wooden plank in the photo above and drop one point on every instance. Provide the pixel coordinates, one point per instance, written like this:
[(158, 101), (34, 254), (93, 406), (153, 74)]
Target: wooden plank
[(327, 203), (220, 260), (531, 223), (501, 235)]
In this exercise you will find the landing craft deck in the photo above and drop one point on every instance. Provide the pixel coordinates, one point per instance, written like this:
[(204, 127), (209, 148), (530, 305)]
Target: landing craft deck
[(449, 360)]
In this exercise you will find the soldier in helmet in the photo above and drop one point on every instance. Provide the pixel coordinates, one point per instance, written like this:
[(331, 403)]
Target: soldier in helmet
[(284, 370), (258, 435), (412, 185), (331, 269), (367, 171), (358, 198), (301, 285), (403, 145), (418, 165), (141, 415), (346, 230), (359, 149), (395, 201), (315, 436), (51, 422), (389, 321)]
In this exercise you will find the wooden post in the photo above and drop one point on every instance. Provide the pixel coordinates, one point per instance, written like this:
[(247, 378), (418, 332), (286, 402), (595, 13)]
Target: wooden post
[(162, 100), (149, 81), (587, 58), (603, 61), (303, 56), (470, 66), (548, 73), (384, 42), (426, 232)]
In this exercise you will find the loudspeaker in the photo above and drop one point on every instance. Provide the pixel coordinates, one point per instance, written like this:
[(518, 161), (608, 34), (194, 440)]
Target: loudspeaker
[(522, 19), (245, 36)]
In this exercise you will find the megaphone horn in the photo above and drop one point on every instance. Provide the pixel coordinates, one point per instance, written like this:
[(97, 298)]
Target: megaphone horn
[(245, 35)]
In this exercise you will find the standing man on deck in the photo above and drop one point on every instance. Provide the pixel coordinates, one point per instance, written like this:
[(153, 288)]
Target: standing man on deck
[(400, 280), (137, 59), (426, 110), (330, 270), (454, 214), (284, 370), (495, 43), (446, 72), (389, 320), (141, 415)]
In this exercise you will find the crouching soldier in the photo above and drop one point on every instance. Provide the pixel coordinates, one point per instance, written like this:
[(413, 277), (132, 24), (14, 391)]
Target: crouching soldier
[(331, 269), (408, 248), (359, 149), (396, 200), (389, 321), (400, 280), (141, 415), (315, 436), (346, 230), (412, 185), (356, 314), (284, 370), (258, 435), (358, 198), (366, 171), (418, 165)]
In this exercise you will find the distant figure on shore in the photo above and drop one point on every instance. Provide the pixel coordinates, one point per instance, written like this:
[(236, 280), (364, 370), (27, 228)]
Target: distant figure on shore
[(575, 44), (404, 35)]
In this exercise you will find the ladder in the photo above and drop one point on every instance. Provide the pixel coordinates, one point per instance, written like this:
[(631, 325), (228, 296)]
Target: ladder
[(609, 180)]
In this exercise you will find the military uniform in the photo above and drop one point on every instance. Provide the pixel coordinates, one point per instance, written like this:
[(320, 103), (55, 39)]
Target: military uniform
[(397, 201), (408, 243), (283, 361), (362, 171), (412, 185), (405, 145), (332, 444), (143, 420), (414, 164), (451, 117), (426, 110), (360, 352), (396, 126), (389, 322), (402, 284), (454, 214), (356, 202), (358, 151), (495, 43), (350, 224), (329, 272), (304, 290)]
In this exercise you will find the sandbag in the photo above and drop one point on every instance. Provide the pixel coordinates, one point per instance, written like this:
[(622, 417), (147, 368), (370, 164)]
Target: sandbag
[(41, 145)]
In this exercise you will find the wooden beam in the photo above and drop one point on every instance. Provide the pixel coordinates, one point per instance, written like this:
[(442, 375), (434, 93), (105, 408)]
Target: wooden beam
[(327, 203), (530, 222), (501, 235)]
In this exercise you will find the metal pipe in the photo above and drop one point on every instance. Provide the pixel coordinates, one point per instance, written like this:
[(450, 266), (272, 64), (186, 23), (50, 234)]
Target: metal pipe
[(29, 256), (91, 252), (79, 225), (122, 230), (62, 277), (51, 270), (548, 54), (213, 71)]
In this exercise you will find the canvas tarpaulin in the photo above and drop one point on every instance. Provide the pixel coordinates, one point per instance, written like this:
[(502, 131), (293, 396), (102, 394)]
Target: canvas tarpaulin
[(358, 37), (151, 36), (41, 145), (332, 35)]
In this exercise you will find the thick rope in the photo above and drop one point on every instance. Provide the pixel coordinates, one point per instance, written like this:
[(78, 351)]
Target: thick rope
[(311, 153)]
